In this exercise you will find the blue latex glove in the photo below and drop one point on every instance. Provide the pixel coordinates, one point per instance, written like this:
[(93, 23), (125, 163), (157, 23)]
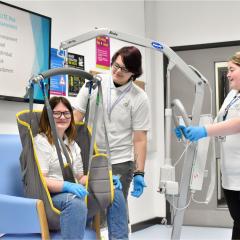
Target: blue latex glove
[(138, 185), (195, 133), (117, 183), (75, 188), (179, 131)]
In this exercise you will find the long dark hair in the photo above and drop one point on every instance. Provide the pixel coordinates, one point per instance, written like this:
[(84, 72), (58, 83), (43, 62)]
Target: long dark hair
[(44, 125), (132, 59)]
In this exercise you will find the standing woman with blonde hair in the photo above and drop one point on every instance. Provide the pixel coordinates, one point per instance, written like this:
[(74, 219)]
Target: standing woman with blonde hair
[(227, 125)]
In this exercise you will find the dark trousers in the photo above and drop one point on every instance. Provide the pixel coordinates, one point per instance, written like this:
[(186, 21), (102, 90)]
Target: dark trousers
[(125, 173), (233, 202)]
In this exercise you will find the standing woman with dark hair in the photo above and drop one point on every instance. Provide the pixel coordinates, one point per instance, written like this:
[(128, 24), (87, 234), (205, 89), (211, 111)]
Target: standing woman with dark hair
[(68, 197), (126, 110), (227, 125)]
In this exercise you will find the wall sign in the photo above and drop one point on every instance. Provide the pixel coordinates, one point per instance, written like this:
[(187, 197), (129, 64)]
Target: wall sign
[(103, 52)]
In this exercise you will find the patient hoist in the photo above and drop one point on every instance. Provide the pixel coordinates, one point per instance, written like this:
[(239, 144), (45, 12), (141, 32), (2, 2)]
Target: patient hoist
[(194, 164)]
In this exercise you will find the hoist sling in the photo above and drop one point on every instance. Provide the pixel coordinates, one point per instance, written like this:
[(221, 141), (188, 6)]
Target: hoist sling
[(98, 169)]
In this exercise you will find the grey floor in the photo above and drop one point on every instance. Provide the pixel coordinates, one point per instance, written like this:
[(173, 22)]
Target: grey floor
[(163, 232)]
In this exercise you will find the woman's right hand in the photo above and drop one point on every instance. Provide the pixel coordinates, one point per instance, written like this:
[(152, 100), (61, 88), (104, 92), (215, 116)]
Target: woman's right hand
[(74, 188), (192, 133)]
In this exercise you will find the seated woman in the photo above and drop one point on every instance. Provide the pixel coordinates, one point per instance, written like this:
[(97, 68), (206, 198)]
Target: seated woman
[(66, 196)]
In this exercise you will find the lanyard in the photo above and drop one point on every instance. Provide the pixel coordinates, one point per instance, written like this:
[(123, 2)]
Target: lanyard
[(110, 106), (235, 99)]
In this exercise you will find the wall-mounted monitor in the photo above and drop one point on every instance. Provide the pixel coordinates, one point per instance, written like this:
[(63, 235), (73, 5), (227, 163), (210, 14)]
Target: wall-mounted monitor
[(25, 43)]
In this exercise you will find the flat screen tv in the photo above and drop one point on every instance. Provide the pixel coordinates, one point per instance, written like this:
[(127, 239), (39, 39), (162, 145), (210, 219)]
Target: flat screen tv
[(25, 43)]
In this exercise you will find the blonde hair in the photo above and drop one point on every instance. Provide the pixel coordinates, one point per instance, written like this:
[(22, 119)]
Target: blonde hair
[(235, 58)]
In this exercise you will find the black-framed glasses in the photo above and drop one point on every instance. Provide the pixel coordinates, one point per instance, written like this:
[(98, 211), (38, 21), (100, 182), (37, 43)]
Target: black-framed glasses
[(116, 66), (58, 114)]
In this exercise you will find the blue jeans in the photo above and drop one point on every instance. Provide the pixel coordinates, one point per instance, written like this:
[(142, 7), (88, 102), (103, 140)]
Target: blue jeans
[(73, 216), (117, 217)]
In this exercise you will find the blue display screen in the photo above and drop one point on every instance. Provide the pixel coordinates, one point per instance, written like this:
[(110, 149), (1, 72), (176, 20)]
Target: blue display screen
[(25, 43)]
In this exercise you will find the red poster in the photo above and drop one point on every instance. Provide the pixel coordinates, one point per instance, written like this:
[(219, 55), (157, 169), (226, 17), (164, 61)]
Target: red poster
[(103, 52)]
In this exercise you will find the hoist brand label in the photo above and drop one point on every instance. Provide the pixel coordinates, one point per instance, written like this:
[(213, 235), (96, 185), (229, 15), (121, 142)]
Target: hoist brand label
[(113, 33), (157, 45)]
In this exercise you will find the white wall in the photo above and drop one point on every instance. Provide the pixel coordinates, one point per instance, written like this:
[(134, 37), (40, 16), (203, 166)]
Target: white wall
[(190, 22), (71, 18)]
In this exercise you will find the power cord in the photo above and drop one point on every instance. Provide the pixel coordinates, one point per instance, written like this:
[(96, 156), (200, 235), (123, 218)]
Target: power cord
[(179, 159)]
